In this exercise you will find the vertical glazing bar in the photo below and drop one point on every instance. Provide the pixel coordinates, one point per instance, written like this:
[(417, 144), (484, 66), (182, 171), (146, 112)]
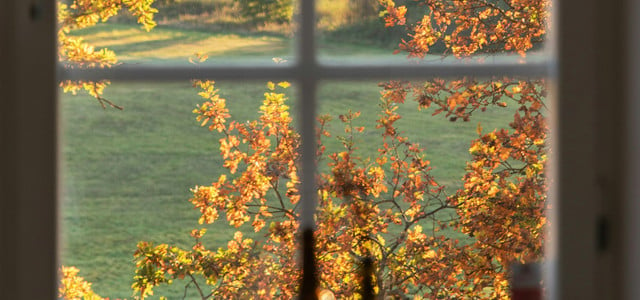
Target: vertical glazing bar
[(308, 81), (307, 76), (550, 266), (309, 190)]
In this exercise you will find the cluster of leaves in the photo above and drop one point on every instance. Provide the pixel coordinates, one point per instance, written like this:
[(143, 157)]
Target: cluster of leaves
[(74, 287), (74, 52), (467, 27), (267, 11)]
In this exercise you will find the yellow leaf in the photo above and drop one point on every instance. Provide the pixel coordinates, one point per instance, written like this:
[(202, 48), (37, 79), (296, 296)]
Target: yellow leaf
[(284, 84), (430, 254)]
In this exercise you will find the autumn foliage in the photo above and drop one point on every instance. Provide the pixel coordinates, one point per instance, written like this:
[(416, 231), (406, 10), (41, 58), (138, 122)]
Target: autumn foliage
[(389, 207), (74, 52), (502, 202)]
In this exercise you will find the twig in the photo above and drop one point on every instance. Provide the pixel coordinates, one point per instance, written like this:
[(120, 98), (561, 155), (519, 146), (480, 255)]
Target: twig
[(102, 101), (197, 287), (186, 287)]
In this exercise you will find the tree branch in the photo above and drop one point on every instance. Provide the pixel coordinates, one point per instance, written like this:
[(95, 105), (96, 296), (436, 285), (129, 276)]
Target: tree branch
[(102, 101), (197, 287)]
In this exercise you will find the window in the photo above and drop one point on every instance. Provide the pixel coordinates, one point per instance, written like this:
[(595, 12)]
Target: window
[(593, 239)]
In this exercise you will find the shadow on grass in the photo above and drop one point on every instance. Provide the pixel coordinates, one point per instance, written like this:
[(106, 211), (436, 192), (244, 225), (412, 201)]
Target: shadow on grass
[(130, 48), (170, 43), (207, 16)]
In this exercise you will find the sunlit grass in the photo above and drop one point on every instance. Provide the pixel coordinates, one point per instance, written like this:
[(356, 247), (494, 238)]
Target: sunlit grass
[(133, 44)]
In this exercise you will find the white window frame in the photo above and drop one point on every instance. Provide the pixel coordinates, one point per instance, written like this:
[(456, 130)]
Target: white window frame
[(594, 244)]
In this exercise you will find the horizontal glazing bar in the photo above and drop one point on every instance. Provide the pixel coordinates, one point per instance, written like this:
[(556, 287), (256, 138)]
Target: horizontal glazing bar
[(446, 70), (291, 72)]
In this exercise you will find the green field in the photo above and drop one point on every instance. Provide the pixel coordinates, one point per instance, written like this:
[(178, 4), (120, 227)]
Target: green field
[(126, 174)]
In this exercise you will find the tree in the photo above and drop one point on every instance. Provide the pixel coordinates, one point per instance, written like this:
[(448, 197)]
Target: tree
[(378, 208), (362, 10), (267, 11)]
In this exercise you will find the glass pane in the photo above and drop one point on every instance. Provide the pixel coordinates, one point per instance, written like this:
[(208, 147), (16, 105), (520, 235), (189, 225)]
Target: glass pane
[(473, 204), (373, 31), (137, 179), (176, 32), (441, 183)]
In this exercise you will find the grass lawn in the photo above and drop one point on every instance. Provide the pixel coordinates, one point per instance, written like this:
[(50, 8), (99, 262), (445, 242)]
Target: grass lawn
[(126, 174)]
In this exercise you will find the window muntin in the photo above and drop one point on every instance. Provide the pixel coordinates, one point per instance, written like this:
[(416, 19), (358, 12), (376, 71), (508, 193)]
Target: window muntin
[(309, 73)]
